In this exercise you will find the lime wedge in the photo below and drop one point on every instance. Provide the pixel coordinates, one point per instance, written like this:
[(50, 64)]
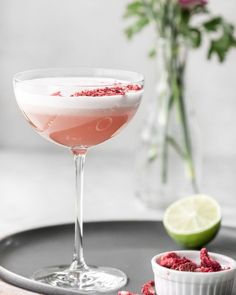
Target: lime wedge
[(193, 221)]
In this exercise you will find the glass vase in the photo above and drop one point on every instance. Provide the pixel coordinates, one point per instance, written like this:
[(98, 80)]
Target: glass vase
[(169, 157)]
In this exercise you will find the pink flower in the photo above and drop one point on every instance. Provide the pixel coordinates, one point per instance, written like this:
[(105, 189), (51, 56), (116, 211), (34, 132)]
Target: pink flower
[(192, 3)]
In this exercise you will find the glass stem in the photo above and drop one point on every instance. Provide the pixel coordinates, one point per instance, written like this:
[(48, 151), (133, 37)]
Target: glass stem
[(78, 258)]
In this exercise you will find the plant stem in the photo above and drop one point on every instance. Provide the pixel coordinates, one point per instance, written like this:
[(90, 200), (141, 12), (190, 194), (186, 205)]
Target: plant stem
[(187, 142), (165, 142), (175, 69), (176, 146)]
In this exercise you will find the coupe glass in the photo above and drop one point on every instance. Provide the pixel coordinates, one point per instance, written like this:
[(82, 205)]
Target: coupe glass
[(79, 108)]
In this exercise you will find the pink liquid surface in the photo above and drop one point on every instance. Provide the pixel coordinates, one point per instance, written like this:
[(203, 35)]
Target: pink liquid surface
[(85, 128)]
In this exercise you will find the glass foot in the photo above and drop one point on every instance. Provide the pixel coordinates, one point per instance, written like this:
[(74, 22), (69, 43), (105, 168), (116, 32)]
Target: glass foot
[(86, 281)]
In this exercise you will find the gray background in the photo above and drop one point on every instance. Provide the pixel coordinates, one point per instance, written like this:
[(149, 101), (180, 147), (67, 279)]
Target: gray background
[(36, 177)]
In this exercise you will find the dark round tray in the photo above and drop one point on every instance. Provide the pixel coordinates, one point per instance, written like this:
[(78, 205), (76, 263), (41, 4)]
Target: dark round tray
[(128, 245)]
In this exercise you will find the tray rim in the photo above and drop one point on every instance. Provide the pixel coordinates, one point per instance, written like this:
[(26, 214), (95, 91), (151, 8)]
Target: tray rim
[(41, 227), (27, 283)]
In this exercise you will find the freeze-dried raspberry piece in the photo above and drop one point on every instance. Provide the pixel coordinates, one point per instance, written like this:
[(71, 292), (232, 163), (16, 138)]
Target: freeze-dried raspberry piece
[(134, 87), (108, 91), (178, 262), (58, 93), (186, 266), (117, 89), (170, 255), (148, 288), (126, 293), (169, 259), (173, 261), (208, 262)]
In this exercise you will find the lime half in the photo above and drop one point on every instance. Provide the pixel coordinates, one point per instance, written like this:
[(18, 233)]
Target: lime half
[(193, 221)]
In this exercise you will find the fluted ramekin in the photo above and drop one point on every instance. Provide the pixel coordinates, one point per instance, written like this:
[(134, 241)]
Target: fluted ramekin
[(173, 282)]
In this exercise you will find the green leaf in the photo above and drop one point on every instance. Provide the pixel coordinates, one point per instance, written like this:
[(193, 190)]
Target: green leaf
[(213, 24), (195, 37), (215, 49), (221, 46), (136, 27), (134, 9), (134, 5)]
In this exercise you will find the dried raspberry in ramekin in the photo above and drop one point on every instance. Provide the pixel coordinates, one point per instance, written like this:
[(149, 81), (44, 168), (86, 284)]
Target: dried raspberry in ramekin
[(173, 261), (207, 262)]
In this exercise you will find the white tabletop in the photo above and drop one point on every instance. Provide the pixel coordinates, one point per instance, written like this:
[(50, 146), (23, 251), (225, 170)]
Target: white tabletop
[(37, 188)]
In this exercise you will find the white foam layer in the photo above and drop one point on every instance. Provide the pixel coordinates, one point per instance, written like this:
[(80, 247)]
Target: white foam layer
[(36, 93)]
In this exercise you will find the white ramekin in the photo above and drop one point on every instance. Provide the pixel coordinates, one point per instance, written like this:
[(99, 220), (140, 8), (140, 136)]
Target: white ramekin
[(172, 282)]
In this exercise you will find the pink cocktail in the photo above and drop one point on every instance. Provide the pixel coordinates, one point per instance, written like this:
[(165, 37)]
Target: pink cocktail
[(79, 108), (79, 119)]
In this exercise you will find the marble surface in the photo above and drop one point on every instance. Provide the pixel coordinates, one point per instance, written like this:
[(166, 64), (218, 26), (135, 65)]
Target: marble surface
[(37, 188)]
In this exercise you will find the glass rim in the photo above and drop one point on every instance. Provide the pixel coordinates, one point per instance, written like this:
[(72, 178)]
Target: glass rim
[(89, 72)]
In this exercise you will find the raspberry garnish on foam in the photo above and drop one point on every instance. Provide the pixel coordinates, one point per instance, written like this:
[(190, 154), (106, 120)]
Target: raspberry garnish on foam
[(117, 89), (58, 93), (108, 91)]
